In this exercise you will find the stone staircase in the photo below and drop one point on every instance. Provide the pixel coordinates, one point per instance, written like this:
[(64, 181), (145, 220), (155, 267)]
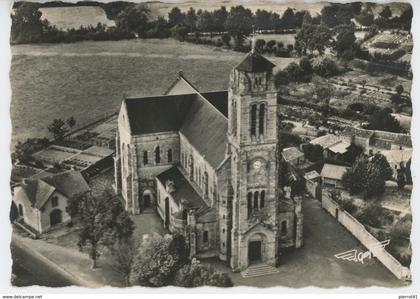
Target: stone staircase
[(260, 269)]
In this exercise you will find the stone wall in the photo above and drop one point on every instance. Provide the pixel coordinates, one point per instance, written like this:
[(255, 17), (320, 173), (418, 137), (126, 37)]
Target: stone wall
[(370, 242)]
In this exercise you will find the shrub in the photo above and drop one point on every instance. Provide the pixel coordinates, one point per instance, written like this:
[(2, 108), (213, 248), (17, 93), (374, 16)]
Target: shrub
[(325, 66)]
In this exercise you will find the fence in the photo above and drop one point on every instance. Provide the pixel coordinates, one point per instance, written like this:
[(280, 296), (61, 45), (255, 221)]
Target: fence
[(367, 240)]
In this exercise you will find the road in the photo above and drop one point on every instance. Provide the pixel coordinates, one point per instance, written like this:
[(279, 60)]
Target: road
[(29, 270)]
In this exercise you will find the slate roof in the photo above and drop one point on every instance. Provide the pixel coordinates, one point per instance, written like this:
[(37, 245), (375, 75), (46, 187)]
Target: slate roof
[(255, 62), (183, 189), (218, 99), (157, 114), (200, 117), (68, 183), (335, 172), (206, 128), (313, 174)]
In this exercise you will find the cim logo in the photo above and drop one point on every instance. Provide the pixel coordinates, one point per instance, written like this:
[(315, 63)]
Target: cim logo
[(359, 256)]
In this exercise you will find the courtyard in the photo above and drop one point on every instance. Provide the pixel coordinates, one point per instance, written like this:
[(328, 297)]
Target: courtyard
[(314, 264)]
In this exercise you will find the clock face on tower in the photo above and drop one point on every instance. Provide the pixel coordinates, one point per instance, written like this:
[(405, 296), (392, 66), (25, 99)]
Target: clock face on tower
[(257, 164)]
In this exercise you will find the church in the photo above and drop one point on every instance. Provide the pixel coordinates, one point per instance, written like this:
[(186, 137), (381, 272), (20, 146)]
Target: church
[(208, 164)]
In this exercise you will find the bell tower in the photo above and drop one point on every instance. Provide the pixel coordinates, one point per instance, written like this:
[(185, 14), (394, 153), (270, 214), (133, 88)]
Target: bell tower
[(252, 135)]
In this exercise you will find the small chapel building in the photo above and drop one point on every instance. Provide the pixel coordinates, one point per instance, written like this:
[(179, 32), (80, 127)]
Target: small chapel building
[(208, 164)]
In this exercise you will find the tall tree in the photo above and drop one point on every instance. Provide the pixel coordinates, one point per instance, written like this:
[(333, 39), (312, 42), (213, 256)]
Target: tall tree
[(58, 128), (345, 40), (191, 19), (239, 23), (134, 20), (288, 19), (354, 178), (175, 17), (219, 19), (205, 22), (27, 26), (384, 121), (312, 37), (96, 220)]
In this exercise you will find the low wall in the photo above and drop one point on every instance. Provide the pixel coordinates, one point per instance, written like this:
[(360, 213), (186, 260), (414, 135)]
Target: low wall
[(370, 242)]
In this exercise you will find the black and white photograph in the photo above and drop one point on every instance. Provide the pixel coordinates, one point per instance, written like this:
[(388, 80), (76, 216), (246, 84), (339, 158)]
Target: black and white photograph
[(223, 144)]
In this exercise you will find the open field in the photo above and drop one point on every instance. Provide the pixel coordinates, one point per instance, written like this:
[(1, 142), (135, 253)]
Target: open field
[(73, 17), (88, 79)]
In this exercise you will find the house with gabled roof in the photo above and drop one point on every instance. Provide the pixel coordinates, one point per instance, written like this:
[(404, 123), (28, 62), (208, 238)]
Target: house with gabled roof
[(207, 164), (42, 203)]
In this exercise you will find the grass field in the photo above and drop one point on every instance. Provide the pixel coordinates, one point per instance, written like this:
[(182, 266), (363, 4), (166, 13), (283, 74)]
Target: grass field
[(73, 17), (88, 79)]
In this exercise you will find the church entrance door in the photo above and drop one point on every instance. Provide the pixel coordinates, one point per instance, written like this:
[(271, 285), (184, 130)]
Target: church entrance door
[(146, 201), (254, 251)]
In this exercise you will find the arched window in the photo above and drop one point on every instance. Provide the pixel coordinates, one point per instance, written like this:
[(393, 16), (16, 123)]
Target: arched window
[(169, 155), (253, 120), (261, 119), (256, 200), (249, 204), (145, 158), (262, 199), (157, 154), (284, 228)]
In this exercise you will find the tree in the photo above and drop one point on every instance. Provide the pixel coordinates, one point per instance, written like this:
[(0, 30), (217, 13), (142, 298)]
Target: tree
[(122, 254), (378, 160), (191, 19), (313, 152), (58, 128), (312, 37), (226, 39), (384, 121), (262, 19), (219, 19), (179, 32), (365, 18), (294, 72), (259, 45), (205, 22), (197, 275), (239, 23), (175, 17), (325, 66), (288, 19), (386, 12), (401, 181), (27, 26), (155, 263), (96, 222), (345, 40), (353, 179), (24, 150), (71, 122), (305, 65), (134, 20), (307, 19)]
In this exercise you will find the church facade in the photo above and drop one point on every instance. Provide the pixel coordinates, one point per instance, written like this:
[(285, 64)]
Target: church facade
[(208, 164)]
